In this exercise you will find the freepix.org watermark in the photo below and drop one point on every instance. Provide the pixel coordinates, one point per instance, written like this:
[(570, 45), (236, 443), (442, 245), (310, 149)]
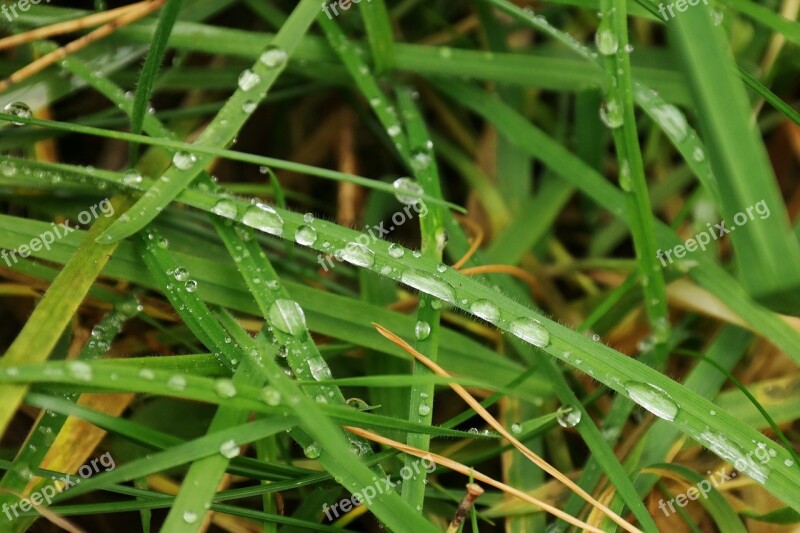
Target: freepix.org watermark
[(367, 494), (365, 239), (681, 5), (718, 478), (46, 239), (344, 5), (61, 484), (702, 239), (10, 10)]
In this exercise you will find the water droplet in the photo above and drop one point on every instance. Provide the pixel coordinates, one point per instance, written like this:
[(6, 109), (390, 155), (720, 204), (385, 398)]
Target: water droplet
[(606, 41), (358, 255), (422, 330), (270, 396), (249, 107), (486, 310), (394, 130), (274, 57), (568, 416), (516, 429), (177, 382), (530, 331), (248, 79), (263, 218), (357, 404), (429, 284), (407, 191), (654, 399), (287, 316), (18, 109), (225, 208), (191, 285), (189, 517), (611, 114), (225, 388), (229, 449), (147, 374), (184, 160), (625, 176), (629, 48), (672, 120), (424, 409), (312, 451), (181, 274), (788, 462), (305, 235), (396, 251), (319, 370), (132, 177), (698, 154)]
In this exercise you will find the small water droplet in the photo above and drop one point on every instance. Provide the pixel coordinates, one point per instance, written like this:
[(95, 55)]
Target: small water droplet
[(263, 218), (229, 449), (270, 396), (248, 79), (132, 177), (429, 284), (312, 451), (18, 109), (396, 251), (191, 285), (422, 330), (184, 160), (530, 331), (181, 274), (654, 399), (80, 370), (568, 416), (225, 388), (305, 235), (606, 41), (287, 316), (672, 120), (516, 429), (177, 382), (274, 57), (358, 255), (189, 517), (424, 409), (611, 114), (225, 208), (486, 310), (407, 191)]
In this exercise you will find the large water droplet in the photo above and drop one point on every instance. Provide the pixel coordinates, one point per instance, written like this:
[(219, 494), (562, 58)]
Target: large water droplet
[(408, 190), (274, 57), (424, 409), (264, 218), (568, 416), (189, 517), (184, 160), (248, 79), (358, 255), (181, 274), (18, 109), (530, 331), (225, 208), (305, 235), (486, 310), (654, 399), (319, 370), (288, 316), (429, 284)]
